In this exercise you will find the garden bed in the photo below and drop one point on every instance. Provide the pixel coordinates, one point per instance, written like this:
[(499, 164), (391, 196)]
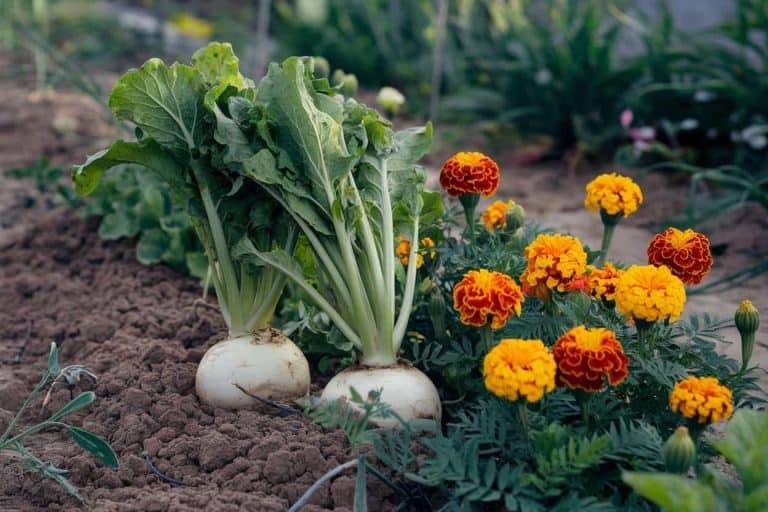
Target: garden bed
[(142, 330)]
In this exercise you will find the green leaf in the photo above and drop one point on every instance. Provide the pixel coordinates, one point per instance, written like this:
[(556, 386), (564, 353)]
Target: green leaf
[(673, 493), (152, 246), (117, 225), (197, 263), (360, 503), (220, 68), (166, 102), (53, 360), (76, 403), (94, 445), (146, 152), (745, 445)]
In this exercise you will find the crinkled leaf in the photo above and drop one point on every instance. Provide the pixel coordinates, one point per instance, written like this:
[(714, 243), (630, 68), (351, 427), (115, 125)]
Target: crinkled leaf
[(220, 68), (229, 135), (152, 246), (94, 445), (146, 152), (166, 102), (313, 138), (117, 225), (673, 493)]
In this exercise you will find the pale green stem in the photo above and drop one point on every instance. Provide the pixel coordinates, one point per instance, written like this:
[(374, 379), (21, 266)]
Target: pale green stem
[(410, 288), (486, 334), (23, 408)]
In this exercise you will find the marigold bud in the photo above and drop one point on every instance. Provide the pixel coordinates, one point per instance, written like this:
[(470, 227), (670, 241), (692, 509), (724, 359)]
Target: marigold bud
[(436, 308), (390, 99), (515, 217), (679, 451), (347, 81), (321, 67), (747, 322)]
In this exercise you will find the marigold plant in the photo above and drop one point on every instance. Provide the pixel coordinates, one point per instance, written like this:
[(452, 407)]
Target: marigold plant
[(482, 294), (586, 357), (601, 282), (554, 261), (495, 216), (649, 293), (686, 253), (520, 369), (702, 398), (404, 249), (613, 194), (469, 173)]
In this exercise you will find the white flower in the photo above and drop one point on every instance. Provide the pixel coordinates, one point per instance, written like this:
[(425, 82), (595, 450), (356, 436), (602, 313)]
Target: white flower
[(390, 99)]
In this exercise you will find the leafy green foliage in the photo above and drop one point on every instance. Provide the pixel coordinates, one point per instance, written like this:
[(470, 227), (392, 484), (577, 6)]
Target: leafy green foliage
[(47, 179), (93, 444), (745, 445)]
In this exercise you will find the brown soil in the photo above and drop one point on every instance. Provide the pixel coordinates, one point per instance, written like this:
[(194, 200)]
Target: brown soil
[(138, 328)]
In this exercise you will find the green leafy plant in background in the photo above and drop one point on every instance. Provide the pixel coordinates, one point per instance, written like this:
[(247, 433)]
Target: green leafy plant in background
[(550, 68), (13, 437), (134, 203), (745, 446)]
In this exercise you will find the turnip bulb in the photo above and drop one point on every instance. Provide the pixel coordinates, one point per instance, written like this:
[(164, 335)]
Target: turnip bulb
[(266, 364)]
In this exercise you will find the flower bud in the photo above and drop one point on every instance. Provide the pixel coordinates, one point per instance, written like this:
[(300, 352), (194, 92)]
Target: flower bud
[(321, 67), (347, 81), (390, 99), (436, 308), (747, 322), (515, 217), (679, 451)]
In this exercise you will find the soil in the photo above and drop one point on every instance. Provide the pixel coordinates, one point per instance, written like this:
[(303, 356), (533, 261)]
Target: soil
[(142, 331)]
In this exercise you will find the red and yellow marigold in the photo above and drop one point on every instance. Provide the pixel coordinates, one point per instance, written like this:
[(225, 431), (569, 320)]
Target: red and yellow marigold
[(686, 253), (554, 262), (613, 194), (702, 398), (517, 369), (587, 357), (469, 173), (483, 294), (649, 293), (601, 282)]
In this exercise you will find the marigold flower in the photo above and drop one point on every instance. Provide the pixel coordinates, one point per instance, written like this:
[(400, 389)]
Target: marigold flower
[(469, 173), (649, 293), (495, 216), (192, 26), (614, 194), (554, 261), (584, 356), (601, 282), (686, 253), (516, 369), (483, 293), (403, 250), (702, 398)]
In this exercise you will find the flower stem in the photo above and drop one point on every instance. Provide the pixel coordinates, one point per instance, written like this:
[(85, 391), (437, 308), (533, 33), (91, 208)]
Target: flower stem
[(469, 202), (522, 415), (609, 226), (645, 338), (486, 334), (584, 399)]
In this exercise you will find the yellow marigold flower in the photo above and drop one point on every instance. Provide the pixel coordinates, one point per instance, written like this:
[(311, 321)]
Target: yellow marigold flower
[(554, 262), (702, 398), (585, 357), (403, 250), (495, 216), (686, 253), (614, 194), (192, 26), (516, 369), (469, 173), (601, 282), (482, 293), (650, 293)]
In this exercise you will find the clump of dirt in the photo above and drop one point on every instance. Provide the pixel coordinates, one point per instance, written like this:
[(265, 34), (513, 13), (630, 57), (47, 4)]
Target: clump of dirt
[(143, 330)]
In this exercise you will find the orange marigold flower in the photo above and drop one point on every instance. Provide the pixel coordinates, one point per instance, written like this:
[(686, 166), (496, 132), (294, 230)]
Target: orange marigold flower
[(495, 216), (702, 398), (403, 250), (482, 293), (601, 282), (554, 261), (516, 369), (649, 293), (469, 173), (614, 194), (686, 253), (585, 356)]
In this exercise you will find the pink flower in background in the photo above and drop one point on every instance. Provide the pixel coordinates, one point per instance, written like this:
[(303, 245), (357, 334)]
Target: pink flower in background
[(626, 119)]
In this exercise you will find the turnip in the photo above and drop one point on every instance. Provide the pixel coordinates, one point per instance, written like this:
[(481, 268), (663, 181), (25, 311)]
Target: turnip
[(351, 185), (185, 137)]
